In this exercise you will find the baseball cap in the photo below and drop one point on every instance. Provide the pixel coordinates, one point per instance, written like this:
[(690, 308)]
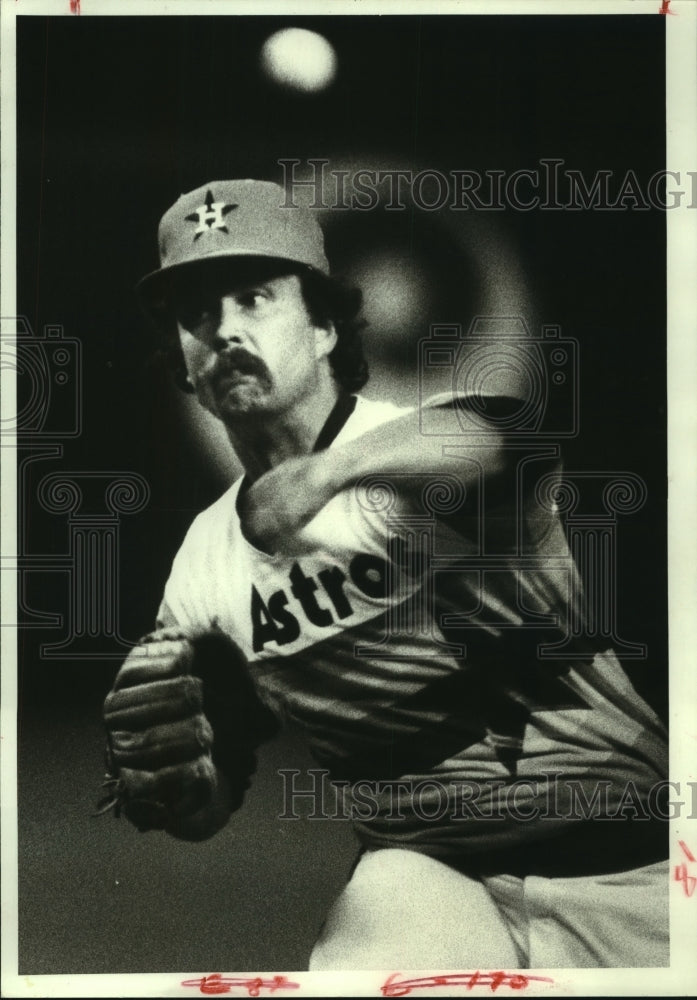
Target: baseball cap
[(234, 218)]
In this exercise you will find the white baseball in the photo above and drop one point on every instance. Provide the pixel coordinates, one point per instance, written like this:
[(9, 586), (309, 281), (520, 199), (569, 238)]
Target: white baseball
[(301, 59)]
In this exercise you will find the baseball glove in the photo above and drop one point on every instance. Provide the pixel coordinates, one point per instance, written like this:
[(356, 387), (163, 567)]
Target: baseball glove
[(183, 723)]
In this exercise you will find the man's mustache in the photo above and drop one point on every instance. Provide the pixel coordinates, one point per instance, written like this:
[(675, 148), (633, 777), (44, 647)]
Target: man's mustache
[(236, 359)]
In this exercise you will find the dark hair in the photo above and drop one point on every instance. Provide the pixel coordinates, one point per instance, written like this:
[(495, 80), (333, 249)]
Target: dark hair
[(328, 300)]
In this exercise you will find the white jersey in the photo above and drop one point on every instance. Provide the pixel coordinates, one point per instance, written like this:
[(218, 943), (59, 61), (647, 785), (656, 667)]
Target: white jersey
[(399, 652)]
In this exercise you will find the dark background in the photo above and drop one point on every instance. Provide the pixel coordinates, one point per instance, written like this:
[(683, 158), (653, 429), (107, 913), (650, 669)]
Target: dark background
[(118, 116)]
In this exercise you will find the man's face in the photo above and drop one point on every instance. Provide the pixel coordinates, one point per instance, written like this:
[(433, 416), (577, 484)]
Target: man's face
[(250, 346)]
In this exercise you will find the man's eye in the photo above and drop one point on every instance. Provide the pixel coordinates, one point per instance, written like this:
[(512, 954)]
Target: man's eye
[(251, 298), (194, 313)]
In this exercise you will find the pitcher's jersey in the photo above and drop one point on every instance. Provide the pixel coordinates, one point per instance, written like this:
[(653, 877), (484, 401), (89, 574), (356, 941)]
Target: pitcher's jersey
[(431, 667)]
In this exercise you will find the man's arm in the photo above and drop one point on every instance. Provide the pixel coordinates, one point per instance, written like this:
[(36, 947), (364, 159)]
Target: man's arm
[(286, 498)]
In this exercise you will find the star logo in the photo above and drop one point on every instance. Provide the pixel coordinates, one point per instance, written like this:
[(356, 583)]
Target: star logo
[(209, 216)]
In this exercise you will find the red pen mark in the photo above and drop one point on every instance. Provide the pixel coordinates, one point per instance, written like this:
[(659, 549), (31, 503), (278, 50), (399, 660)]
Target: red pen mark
[(253, 985), (686, 850), (681, 872), (665, 7), (396, 987)]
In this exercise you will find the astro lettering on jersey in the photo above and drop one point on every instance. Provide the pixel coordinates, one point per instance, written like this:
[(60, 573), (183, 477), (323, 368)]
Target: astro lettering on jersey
[(278, 618)]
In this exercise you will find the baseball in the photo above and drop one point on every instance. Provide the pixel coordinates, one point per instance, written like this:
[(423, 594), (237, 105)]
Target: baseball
[(299, 59)]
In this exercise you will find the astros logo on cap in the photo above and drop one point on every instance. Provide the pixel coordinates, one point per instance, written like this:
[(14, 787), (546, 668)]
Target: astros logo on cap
[(263, 227), (209, 216)]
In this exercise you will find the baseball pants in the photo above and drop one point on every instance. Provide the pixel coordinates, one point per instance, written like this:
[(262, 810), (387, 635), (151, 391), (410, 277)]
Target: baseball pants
[(405, 910)]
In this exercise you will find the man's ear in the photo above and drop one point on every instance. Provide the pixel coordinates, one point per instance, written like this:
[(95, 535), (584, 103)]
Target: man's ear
[(325, 340), (175, 357)]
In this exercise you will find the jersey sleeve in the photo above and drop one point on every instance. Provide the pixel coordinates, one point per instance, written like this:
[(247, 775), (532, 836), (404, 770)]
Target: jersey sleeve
[(181, 605), (189, 599)]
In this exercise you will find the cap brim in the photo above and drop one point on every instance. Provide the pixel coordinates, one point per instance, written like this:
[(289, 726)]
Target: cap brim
[(152, 289)]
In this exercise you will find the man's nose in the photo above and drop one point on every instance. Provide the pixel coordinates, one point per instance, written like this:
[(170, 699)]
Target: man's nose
[(231, 327)]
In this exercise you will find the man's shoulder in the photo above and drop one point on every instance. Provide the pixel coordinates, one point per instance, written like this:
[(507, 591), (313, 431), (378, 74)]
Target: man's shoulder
[(221, 512), (367, 414)]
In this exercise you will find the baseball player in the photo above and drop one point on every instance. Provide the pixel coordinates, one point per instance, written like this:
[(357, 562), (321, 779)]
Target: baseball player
[(505, 798)]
